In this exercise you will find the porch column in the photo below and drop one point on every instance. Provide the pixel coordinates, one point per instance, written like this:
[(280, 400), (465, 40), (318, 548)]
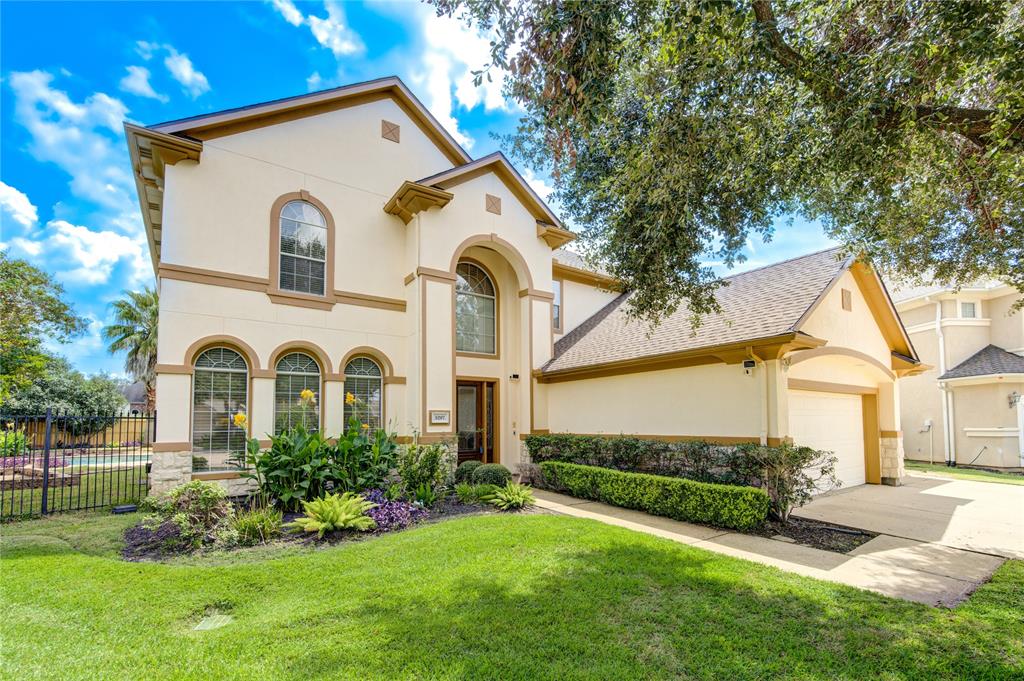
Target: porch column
[(891, 437)]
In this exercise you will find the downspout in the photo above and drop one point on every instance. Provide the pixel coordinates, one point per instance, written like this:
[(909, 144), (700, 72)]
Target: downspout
[(946, 439), (763, 380)]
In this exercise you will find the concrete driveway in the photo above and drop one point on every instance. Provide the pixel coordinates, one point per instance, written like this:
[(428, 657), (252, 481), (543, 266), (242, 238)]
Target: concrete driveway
[(984, 517)]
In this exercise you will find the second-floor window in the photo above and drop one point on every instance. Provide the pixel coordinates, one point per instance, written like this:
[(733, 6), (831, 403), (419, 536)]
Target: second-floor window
[(303, 249), (556, 306), (475, 310), (968, 310)]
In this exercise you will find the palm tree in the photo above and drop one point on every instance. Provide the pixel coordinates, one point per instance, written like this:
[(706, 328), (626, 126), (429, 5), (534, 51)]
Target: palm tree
[(134, 333)]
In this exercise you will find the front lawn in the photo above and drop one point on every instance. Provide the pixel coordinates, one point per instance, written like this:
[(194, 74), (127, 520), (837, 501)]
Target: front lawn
[(965, 473), (495, 596)]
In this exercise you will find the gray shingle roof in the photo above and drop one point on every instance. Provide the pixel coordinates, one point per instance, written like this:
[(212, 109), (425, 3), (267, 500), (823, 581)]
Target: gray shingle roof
[(761, 303), (988, 361)]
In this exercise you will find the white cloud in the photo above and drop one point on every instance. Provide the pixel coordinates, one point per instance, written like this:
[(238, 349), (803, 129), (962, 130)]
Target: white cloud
[(137, 83), (438, 89), (289, 11), (16, 205), (183, 71), (315, 81), (331, 32), (146, 50), (538, 184), (76, 136), (94, 253)]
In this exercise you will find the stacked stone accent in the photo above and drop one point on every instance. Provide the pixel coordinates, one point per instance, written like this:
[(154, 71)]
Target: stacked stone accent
[(891, 449), (169, 470)]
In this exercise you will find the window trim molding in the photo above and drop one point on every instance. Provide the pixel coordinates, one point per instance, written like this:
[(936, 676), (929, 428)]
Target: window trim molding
[(497, 311), (297, 348), (306, 347), (274, 290)]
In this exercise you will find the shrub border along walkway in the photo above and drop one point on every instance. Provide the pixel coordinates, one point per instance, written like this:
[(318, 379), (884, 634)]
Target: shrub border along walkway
[(732, 506)]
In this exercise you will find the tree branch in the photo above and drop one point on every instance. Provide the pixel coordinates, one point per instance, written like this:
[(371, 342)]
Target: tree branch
[(971, 123)]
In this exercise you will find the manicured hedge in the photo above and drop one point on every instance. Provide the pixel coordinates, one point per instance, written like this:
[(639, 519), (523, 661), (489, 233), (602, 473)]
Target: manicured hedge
[(741, 508)]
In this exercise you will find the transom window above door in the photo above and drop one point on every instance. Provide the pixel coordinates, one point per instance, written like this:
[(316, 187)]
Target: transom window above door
[(303, 249), (475, 310)]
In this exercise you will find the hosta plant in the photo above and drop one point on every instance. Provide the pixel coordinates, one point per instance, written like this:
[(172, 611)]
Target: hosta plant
[(334, 512), (511, 497)]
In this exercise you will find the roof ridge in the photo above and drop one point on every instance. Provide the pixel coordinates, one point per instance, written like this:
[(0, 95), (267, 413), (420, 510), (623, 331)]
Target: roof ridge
[(781, 262)]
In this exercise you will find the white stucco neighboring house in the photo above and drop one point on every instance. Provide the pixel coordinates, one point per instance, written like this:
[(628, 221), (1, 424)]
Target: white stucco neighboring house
[(967, 407), (343, 242)]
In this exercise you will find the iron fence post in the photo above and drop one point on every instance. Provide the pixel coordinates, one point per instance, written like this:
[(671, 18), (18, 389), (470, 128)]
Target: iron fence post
[(46, 458)]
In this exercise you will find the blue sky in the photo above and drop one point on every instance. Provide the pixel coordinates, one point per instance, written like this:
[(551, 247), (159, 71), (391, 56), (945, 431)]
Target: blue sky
[(72, 72)]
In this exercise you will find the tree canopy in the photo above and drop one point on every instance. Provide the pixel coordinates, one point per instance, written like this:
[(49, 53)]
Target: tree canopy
[(64, 389), (675, 129), (32, 309)]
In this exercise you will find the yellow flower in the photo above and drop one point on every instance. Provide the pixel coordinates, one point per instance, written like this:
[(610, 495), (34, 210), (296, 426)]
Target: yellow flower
[(366, 426), (240, 420), (307, 395), (350, 398)]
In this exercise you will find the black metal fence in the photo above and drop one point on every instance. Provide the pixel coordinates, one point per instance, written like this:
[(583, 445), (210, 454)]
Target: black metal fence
[(57, 462)]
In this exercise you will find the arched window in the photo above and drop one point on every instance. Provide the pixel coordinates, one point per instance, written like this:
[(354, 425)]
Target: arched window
[(365, 381), (303, 249), (475, 306), (220, 389), (296, 372)]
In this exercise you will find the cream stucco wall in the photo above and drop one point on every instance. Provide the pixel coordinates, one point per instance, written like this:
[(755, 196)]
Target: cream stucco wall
[(580, 302), (855, 328), (987, 407), (716, 400)]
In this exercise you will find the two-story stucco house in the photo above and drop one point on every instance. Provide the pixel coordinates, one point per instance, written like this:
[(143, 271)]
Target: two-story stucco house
[(342, 242), (967, 407)]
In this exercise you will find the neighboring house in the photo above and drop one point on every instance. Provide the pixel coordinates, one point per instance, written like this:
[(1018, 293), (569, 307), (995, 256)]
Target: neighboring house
[(966, 408), (342, 241), (135, 395)]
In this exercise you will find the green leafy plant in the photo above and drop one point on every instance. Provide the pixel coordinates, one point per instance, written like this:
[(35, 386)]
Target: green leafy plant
[(334, 512), (791, 475), (425, 494), (420, 464), (13, 442), (468, 493), (732, 506), (511, 497), (198, 509), (297, 467), (464, 473), (363, 459), (257, 525), (491, 474)]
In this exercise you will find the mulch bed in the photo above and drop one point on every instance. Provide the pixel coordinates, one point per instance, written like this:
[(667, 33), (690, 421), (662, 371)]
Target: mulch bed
[(816, 534)]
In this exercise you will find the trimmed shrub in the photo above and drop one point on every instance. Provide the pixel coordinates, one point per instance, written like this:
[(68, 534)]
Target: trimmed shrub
[(464, 473), (741, 508), (491, 474)]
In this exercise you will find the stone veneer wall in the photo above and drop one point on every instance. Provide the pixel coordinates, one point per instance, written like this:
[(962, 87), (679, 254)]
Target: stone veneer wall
[(168, 470), (891, 449)]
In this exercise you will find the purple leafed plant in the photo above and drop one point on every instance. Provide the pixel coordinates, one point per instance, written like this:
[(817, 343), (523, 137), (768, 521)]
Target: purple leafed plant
[(392, 515), (13, 461)]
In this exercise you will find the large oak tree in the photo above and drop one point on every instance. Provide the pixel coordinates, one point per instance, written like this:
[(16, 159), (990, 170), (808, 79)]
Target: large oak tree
[(676, 128)]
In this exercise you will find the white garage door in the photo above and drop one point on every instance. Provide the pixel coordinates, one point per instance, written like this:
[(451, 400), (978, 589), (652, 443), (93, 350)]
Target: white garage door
[(832, 422)]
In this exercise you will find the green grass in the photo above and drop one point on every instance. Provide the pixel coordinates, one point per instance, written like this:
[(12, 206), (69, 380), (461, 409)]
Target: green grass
[(96, 488), (966, 473), (494, 596)]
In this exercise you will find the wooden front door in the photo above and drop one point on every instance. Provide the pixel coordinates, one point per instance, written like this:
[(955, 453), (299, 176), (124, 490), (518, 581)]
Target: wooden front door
[(475, 419)]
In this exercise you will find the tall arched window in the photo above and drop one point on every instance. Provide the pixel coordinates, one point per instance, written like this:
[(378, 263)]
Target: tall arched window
[(475, 310), (296, 372), (220, 389), (303, 249), (365, 382)]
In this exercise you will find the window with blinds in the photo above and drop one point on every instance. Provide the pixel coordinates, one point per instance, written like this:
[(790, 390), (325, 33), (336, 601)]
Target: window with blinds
[(303, 249), (220, 389), (365, 382), (296, 372)]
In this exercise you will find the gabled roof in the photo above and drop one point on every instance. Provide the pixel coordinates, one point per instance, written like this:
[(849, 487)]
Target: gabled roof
[(506, 172), (991, 360), (766, 306), (230, 121)]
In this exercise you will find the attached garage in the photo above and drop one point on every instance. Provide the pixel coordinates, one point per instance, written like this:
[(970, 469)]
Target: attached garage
[(833, 422)]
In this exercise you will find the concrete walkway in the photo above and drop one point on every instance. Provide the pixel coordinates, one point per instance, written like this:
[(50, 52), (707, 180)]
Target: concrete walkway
[(913, 570), (986, 517)]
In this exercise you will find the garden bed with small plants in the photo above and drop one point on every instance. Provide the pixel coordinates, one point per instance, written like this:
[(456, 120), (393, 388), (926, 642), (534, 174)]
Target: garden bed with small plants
[(314, 489)]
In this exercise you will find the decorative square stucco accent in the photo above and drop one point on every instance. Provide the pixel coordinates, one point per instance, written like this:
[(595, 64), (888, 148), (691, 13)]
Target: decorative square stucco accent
[(493, 204), (847, 300), (390, 131)]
